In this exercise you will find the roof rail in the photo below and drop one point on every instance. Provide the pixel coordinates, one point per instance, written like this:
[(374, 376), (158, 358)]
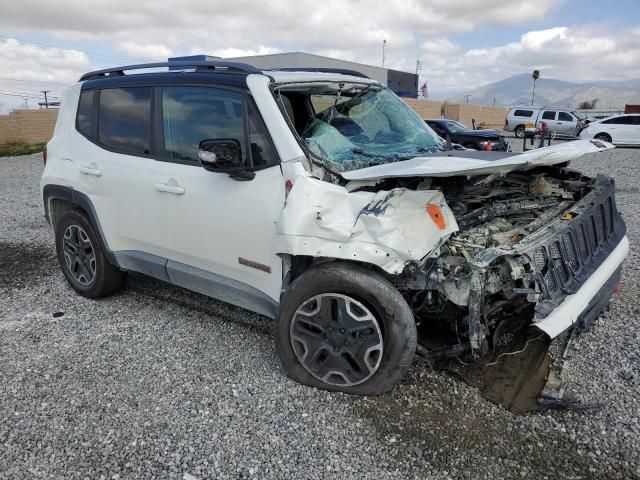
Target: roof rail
[(200, 66), (342, 71)]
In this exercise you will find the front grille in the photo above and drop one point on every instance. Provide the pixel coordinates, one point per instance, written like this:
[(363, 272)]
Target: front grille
[(567, 258)]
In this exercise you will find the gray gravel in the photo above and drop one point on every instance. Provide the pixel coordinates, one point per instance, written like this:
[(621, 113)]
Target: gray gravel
[(160, 382)]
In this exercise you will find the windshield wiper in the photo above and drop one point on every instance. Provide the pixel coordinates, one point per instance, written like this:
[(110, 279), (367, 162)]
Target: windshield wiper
[(364, 153)]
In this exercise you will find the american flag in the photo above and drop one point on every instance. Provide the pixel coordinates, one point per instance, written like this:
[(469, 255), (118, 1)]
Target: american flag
[(424, 90)]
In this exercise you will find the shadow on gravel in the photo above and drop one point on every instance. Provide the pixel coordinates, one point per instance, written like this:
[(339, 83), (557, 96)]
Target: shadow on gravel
[(23, 264), (173, 295)]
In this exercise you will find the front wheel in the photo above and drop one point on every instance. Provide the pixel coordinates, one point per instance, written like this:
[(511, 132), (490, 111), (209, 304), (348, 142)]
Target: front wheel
[(345, 328), (605, 137)]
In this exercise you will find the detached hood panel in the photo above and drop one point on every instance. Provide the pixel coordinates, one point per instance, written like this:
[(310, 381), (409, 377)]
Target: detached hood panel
[(465, 163)]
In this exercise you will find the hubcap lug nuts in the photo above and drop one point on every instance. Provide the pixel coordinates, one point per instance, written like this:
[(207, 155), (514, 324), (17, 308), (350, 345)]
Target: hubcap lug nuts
[(346, 343), (341, 330)]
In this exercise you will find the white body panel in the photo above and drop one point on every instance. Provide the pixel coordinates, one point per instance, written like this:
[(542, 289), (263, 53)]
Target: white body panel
[(387, 229), (620, 134)]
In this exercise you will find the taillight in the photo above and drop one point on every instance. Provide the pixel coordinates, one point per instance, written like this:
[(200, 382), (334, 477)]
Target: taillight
[(44, 154)]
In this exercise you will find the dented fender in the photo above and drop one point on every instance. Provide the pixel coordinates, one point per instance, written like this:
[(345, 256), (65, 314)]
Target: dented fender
[(384, 228)]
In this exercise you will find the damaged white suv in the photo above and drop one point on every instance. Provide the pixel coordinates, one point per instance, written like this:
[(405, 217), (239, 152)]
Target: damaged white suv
[(319, 199)]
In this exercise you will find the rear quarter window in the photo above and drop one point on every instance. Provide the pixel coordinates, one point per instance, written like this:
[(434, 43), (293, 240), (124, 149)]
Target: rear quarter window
[(84, 114), (523, 113)]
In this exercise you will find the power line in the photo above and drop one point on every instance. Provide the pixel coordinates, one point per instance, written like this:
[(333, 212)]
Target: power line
[(20, 95), (33, 81), (66, 50), (26, 93)]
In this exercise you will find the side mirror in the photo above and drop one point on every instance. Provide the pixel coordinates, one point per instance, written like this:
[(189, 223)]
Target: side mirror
[(223, 155)]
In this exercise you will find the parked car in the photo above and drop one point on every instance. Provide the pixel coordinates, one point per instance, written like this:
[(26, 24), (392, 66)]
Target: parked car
[(474, 139), (619, 129), (562, 122), (321, 200)]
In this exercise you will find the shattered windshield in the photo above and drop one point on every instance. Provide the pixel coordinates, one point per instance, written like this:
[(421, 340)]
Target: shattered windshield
[(354, 128)]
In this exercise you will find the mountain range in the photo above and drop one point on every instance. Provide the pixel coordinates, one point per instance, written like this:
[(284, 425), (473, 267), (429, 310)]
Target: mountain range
[(516, 90)]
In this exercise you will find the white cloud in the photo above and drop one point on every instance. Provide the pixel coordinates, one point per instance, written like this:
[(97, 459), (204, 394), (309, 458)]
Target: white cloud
[(354, 30), (145, 52), (34, 67), (565, 53)]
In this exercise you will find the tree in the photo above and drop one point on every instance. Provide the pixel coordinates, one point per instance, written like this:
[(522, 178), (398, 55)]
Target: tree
[(588, 105)]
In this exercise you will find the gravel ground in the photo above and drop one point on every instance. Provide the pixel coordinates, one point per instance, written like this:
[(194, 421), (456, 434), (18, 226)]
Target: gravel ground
[(160, 382)]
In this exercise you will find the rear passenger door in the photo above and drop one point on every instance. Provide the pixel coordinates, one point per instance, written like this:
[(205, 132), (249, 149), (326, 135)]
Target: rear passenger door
[(549, 117), (111, 156)]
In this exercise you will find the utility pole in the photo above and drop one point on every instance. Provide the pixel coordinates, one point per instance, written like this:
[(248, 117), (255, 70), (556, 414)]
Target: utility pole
[(46, 102), (418, 66), (384, 45), (466, 97), (494, 101)]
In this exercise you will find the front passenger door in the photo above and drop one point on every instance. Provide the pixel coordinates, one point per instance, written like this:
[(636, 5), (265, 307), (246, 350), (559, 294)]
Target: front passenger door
[(214, 230), (567, 124)]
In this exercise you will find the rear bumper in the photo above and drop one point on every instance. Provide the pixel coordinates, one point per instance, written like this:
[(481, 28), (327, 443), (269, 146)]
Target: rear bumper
[(590, 299)]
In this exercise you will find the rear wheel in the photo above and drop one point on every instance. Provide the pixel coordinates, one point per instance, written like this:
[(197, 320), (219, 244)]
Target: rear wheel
[(83, 261), (342, 327), (605, 137), (519, 131)]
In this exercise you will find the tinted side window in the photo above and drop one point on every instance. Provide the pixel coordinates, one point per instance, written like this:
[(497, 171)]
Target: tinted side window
[(565, 117), (193, 114), (84, 115), (124, 119), (619, 121), (548, 115), (523, 113)]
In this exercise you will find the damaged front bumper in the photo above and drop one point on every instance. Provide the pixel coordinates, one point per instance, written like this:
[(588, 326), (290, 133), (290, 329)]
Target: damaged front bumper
[(588, 302), (567, 268)]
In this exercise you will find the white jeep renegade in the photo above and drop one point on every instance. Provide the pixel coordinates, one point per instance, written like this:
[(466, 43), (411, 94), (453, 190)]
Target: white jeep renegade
[(320, 199)]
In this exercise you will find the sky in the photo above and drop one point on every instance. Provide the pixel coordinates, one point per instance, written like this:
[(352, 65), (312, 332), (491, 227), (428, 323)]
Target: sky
[(463, 44)]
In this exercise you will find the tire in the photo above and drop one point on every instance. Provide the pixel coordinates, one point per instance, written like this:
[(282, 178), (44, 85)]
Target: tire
[(373, 351), (82, 259), (519, 131), (605, 137)]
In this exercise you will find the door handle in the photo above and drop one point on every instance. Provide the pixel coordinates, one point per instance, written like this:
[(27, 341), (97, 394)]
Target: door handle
[(170, 187), (90, 170)]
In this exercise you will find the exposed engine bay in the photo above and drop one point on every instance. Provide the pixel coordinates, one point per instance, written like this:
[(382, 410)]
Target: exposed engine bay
[(514, 256)]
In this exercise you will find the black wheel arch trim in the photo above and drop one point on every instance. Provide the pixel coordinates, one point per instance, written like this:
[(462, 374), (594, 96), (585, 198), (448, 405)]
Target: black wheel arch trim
[(79, 199)]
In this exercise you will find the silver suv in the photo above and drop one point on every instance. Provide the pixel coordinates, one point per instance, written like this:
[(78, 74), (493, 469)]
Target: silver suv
[(562, 122)]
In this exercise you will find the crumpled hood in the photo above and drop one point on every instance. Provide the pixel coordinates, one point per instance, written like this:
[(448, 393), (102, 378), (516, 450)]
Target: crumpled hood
[(470, 162)]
